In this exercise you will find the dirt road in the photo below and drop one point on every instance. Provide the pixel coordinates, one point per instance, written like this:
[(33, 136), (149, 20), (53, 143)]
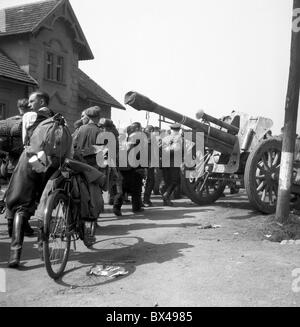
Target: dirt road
[(170, 261)]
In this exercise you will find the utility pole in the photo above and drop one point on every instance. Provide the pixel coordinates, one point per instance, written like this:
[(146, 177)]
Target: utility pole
[(290, 123)]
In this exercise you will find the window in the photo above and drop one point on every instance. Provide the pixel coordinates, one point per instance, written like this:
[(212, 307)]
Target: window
[(54, 67), (60, 69), (2, 111), (49, 65)]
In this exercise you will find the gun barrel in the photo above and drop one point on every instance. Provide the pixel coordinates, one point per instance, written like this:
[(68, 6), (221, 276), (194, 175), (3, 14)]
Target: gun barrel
[(214, 138), (232, 129)]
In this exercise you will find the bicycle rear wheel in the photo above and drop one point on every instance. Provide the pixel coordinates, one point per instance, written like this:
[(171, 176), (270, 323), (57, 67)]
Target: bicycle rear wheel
[(57, 234)]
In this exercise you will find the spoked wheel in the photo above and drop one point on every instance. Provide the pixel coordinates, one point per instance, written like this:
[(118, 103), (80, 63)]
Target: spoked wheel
[(262, 175), (203, 190), (57, 236)]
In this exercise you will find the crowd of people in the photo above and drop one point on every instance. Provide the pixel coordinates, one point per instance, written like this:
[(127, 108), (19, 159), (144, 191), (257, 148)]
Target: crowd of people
[(127, 180), (26, 184)]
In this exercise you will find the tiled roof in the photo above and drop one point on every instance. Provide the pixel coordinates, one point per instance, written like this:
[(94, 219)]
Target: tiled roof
[(30, 18), (92, 91), (9, 69), (24, 18)]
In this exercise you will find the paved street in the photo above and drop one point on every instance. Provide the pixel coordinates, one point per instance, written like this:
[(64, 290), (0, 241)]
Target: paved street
[(170, 261)]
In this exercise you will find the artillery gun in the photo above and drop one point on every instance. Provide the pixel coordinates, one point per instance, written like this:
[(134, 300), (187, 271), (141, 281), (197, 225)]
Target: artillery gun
[(237, 151)]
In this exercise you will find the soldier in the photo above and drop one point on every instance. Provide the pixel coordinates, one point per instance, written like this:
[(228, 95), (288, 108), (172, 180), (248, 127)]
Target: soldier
[(84, 140), (86, 137), (132, 177), (112, 171), (10, 161), (26, 184), (150, 181), (171, 175)]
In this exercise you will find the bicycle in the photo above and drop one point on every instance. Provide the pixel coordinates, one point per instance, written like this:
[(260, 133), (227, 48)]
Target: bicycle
[(61, 220)]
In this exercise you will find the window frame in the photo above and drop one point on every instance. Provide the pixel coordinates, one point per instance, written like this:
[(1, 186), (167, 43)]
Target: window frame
[(50, 64), (58, 68)]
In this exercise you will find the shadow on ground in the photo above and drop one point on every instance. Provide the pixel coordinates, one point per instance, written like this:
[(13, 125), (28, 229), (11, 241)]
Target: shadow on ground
[(129, 253)]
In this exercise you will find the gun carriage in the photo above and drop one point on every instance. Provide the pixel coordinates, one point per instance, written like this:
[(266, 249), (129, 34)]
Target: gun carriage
[(237, 151)]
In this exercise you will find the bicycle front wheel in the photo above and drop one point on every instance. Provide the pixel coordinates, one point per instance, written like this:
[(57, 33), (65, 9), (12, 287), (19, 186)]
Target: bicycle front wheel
[(57, 234)]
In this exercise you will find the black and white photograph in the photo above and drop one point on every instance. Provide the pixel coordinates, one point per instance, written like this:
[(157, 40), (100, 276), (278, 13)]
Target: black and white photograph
[(149, 156)]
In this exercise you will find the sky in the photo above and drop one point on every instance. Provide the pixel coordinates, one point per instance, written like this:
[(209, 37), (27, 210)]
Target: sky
[(217, 56)]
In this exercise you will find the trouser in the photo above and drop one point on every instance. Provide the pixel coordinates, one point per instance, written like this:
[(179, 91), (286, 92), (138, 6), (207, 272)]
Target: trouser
[(171, 177), (24, 190), (150, 181), (132, 183)]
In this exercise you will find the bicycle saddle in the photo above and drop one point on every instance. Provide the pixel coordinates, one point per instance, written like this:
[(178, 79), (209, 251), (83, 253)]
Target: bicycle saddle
[(91, 174)]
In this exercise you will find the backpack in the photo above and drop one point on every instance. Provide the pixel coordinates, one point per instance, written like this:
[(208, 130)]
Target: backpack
[(53, 137), (11, 134)]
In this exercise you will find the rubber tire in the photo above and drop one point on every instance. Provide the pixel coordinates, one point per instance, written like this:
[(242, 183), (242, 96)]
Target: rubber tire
[(250, 173), (52, 200)]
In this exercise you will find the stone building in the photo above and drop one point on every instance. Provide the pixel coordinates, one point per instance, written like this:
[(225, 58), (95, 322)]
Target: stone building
[(40, 47)]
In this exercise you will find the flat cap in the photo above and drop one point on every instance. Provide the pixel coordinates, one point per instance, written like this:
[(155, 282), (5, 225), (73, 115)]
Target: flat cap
[(149, 128), (133, 128), (106, 123), (93, 112), (175, 126)]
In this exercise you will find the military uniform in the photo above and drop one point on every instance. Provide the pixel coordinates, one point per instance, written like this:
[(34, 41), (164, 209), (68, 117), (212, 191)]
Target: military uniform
[(84, 141), (112, 172), (86, 138), (172, 174), (150, 171), (24, 190), (132, 178)]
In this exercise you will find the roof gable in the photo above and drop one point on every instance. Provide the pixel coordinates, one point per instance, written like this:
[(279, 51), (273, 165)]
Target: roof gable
[(90, 90), (31, 18)]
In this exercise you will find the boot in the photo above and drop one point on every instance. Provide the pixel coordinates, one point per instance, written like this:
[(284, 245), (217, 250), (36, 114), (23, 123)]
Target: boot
[(147, 202), (17, 241), (117, 212), (89, 234), (166, 200), (10, 223), (167, 195)]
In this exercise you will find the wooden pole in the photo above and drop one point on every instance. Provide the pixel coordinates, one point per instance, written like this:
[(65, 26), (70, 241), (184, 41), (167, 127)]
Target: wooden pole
[(290, 124)]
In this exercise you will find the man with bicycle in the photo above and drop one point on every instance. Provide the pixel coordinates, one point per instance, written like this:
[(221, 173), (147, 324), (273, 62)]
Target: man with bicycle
[(26, 184)]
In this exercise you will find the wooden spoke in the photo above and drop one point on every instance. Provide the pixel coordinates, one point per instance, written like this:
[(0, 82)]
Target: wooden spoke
[(275, 161), (260, 167), (266, 167), (269, 159), (261, 186)]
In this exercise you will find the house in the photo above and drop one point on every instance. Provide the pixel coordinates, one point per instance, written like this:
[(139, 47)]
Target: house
[(40, 47)]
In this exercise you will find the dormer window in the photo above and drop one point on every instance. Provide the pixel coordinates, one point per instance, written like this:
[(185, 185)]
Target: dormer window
[(54, 67)]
